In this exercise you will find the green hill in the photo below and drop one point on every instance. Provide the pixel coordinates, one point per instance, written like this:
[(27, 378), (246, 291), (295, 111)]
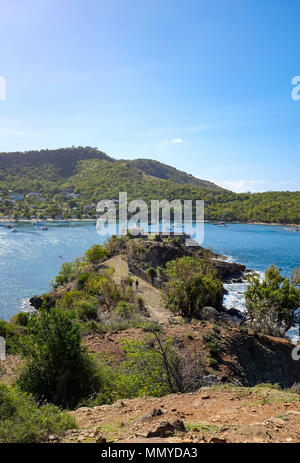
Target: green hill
[(63, 160), (165, 172), (69, 182)]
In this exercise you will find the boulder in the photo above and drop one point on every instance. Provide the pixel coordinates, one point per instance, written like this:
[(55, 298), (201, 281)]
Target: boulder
[(154, 412), (209, 313), (235, 313), (165, 429), (229, 270)]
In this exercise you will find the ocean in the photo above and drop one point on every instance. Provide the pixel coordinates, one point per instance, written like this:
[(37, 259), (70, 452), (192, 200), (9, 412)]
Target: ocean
[(30, 258)]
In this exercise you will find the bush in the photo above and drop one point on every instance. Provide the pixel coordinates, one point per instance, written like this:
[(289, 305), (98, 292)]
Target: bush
[(67, 273), (20, 318), (115, 244), (108, 393), (271, 304), (82, 280), (84, 304), (96, 254), (192, 282), (151, 273), (91, 327), (124, 309), (11, 333), (58, 368), (140, 303), (151, 366), (70, 298), (22, 421), (86, 309)]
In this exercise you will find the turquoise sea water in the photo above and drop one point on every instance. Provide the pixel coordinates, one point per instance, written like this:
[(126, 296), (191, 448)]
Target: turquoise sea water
[(30, 258)]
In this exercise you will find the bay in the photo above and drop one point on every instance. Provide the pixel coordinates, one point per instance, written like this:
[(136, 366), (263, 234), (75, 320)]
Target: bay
[(30, 258)]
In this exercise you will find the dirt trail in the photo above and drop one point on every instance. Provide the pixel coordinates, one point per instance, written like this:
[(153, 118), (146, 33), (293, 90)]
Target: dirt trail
[(151, 296), (230, 414)]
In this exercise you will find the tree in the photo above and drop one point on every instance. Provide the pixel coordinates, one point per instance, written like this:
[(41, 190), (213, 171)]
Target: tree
[(192, 282), (152, 366), (151, 273), (58, 368), (67, 273), (96, 254), (271, 304)]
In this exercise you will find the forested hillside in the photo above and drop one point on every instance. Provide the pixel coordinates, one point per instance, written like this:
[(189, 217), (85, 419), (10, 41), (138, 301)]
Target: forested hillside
[(69, 182), (162, 171)]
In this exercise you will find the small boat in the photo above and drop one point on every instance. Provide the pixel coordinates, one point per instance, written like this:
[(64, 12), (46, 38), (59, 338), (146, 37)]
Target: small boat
[(44, 227), (292, 229), (9, 225), (14, 230), (221, 224)]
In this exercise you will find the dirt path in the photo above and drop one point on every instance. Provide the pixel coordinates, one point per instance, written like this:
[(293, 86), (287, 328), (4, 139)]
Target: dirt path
[(230, 414), (151, 296)]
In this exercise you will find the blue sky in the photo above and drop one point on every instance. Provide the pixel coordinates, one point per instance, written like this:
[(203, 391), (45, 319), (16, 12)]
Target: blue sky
[(203, 85)]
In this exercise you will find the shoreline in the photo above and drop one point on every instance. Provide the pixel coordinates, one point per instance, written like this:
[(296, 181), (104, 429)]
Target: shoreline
[(11, 220)]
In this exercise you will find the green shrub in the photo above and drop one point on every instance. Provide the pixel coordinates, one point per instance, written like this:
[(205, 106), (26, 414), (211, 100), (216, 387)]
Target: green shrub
[(70, 298), (124, 309), (160, 272), (151, 273), (115, 244), (271, 304), (86, 309), (11, 333), (213, 343), (91, 327), (20, 318), (58, 367), (67, 273), (140, 302), (82, 280), (22, 421), (108, 393), (84, 304), (96, 254), (192, 283), (151, 366)]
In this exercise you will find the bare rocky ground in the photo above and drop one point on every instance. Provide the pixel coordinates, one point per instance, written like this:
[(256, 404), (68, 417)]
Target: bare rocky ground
[(218, 414)]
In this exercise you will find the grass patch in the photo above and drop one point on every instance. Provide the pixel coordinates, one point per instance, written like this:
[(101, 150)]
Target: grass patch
[(264, 393), (200, 427), (110, 430)]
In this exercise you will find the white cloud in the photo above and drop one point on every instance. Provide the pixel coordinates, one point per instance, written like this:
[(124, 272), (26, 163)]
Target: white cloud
[(176, 140), (241, 186), (162, 144)]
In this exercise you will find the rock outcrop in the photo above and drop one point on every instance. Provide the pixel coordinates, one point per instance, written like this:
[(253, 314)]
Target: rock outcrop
[(144, 253)]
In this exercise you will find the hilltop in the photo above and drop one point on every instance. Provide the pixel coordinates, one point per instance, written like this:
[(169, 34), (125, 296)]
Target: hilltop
[(68, 183), (165, 172)]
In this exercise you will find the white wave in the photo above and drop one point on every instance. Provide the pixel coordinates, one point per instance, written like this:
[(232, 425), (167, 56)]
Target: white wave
[(25, 305), (236, 296)]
